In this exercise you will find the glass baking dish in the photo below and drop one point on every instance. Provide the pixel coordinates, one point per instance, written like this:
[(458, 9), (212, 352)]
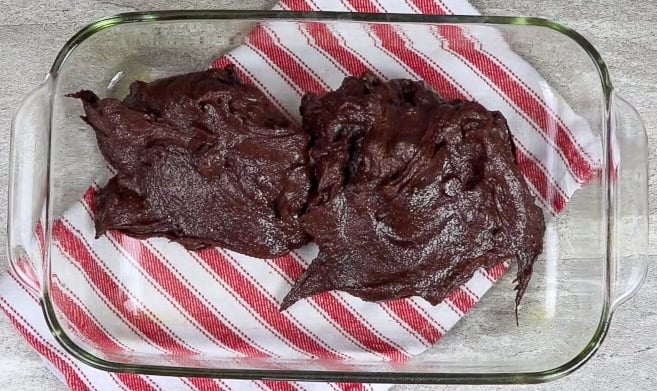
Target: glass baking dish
[(601, 237)]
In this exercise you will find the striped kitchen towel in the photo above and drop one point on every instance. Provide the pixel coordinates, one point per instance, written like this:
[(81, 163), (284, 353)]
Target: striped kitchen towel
[(119, 294)]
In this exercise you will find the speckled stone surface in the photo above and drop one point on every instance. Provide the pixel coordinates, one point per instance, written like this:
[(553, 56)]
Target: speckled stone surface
[(32, 32)]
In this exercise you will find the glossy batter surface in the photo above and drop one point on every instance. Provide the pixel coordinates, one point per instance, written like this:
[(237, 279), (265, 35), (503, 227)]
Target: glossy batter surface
[(412, 194), (204, 160)]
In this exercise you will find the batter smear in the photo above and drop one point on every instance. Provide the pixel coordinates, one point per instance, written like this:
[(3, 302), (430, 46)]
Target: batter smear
[(203, 160), (411, 193)]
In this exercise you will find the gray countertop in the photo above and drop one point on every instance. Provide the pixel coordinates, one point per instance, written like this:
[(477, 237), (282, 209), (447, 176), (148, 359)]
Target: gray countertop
[(32, 32)]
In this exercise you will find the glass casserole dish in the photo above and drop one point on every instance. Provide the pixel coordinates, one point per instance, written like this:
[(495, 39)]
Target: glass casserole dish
[(595, 256)]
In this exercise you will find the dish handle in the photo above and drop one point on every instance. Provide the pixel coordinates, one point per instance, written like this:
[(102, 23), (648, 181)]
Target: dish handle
[(28, 185), (628, 176)]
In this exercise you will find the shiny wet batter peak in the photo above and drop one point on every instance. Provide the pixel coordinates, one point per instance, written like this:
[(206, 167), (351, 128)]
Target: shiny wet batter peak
[(411, 193)]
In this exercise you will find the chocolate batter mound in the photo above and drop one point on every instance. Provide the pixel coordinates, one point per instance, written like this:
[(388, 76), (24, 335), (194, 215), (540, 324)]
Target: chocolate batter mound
[(203, 160), (412, 194)]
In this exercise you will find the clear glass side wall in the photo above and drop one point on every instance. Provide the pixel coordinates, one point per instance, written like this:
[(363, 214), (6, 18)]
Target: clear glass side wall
[(564, 311)]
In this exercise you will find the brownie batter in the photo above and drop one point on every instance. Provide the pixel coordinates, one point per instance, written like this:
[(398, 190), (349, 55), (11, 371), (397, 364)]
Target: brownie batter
[(203, 160), (412, 193)]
